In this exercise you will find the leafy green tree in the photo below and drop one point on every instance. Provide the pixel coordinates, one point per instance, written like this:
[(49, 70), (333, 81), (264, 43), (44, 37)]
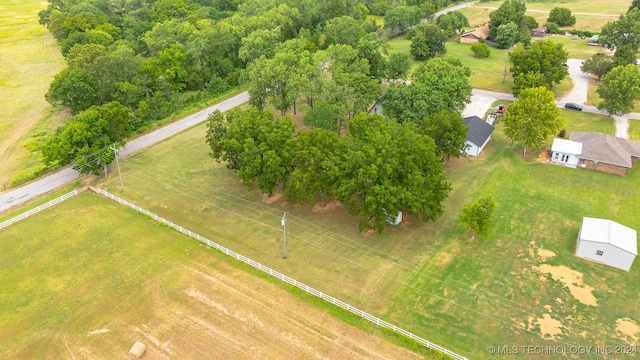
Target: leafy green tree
[(478, 216), (255, 144), (371, 47), (397, 67), (597, 65), (561, 16), (315, 156), (344, 30), (511, 11), (400, 18), (552, 28), (428, 42), (480, 50), (623, 32), (532, 118), (448, 131), (325, 116), (452, 22), (85, 139), (635, 4), (545, 57), (259, 43), (624, 55), (72, 88), (388, 167), (506, 35), (618, 89), (529, 80)]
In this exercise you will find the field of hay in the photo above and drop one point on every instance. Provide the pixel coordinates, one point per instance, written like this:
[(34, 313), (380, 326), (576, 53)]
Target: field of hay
[(89, 277)]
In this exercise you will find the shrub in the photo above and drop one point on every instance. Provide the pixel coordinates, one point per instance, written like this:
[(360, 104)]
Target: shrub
[(480, 50)]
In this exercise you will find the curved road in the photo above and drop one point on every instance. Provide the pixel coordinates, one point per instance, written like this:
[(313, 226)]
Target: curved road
[(19, 195)]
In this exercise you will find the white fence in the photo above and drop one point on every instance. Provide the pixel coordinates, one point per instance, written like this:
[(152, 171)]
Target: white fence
[(38, 209), (285, 278)]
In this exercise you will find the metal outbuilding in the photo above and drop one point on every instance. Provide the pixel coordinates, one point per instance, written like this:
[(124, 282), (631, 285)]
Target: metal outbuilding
[(607, 242)]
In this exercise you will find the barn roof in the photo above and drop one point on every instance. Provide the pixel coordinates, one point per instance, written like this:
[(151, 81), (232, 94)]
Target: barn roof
[(479, 131), (609, 232), (481, 32)]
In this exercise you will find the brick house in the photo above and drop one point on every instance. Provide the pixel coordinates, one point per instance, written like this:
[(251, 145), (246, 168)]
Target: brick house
[(606, 153)]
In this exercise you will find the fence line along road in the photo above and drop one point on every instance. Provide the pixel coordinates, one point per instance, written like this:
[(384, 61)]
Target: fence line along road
[(282, 277), (33, 211)]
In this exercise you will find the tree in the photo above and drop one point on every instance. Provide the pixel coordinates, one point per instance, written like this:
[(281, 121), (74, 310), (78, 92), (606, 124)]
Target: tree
[(529, 80), (478, 216), (597, 65), (506, 35), (388, 167), (255, 144), (561, 16), (325, 116), (532, 118), (624, 55), (635, 4), (315, 153), (344, 30), (480, 50), (624, 31), (85, 139), (545, 57), (73, 88), (397, 66), (448, 131), (511, 11), (552, 28), (259, 43), (428, 42), (618, 89), (400, 18), (452, 22)]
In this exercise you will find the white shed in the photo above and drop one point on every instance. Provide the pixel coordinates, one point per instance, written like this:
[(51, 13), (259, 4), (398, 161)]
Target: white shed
[(566, 152), (607, 242), (478, 135)]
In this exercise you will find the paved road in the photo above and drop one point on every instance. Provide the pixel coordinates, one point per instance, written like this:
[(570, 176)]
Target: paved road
[(18, 196)]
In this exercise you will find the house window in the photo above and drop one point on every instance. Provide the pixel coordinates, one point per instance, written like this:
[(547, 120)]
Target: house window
[(599, 252)]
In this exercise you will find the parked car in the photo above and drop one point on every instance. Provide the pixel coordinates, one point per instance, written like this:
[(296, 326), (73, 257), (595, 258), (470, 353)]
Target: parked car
[(573, 106), (574, 37)]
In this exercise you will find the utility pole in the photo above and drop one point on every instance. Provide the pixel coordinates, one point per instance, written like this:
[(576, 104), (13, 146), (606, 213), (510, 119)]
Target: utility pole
[(284, 232), (115, 152)]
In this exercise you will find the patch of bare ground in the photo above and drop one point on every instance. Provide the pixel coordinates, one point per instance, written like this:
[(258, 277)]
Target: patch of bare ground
[(629, 329), (545, 254), (549, 327), (328, 206), (275, 197), (543, 157), (573, 280)]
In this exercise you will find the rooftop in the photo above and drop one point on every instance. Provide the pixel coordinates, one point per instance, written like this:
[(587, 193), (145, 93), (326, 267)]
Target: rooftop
[(609, 232)]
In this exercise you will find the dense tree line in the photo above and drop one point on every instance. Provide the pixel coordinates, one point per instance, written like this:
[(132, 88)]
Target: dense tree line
[(509, 25), (379, 168)]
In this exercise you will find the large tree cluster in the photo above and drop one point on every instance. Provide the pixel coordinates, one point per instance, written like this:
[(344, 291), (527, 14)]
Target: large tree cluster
[(541, 64), (379, 168), (509, 25)]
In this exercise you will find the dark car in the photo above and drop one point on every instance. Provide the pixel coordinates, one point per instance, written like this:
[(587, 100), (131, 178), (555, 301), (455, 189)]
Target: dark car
[(573, 106)]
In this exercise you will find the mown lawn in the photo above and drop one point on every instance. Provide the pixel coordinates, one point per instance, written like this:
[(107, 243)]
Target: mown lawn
[(634, 129), (429, 277)]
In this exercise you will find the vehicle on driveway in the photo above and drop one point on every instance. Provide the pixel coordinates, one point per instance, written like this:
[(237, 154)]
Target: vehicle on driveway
[(573, 106), (501, 109)]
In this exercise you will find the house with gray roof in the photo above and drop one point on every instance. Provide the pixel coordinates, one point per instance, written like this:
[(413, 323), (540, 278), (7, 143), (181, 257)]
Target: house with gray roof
[(605, 152), (478, 135)]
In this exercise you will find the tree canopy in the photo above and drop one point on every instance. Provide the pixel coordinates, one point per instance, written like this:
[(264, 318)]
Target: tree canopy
[(428, 41), (597, 65), (532, 118), (543, 57), (478, 216), (618, 89), (561, 16)]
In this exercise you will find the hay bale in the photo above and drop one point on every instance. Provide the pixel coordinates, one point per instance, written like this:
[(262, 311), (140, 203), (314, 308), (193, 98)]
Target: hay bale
[(137, 350)]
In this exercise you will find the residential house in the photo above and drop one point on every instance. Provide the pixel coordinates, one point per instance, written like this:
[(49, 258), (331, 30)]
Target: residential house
[(474, 36), (606, 153), (478, 135)]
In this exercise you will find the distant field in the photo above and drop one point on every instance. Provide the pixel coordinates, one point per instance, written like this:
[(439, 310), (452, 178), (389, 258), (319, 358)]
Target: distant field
[(429, 278), (30, 58), (88, 278)]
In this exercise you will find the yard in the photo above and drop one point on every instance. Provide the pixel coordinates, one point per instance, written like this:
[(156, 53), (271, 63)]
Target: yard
[(521, 285), (88, 277)]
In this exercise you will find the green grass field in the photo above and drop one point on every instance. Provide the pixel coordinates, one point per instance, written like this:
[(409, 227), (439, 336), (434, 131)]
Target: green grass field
[(30, 58), (429, 277), (634, 129), (89, 277)]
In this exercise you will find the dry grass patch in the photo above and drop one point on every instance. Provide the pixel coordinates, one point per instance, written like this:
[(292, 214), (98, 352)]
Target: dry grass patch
[(550, 328), (629, 329), (571, 279)]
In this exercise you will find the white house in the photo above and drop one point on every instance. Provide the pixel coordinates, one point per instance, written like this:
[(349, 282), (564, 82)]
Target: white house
[(478, 135), (566, 152), (607, 242)]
